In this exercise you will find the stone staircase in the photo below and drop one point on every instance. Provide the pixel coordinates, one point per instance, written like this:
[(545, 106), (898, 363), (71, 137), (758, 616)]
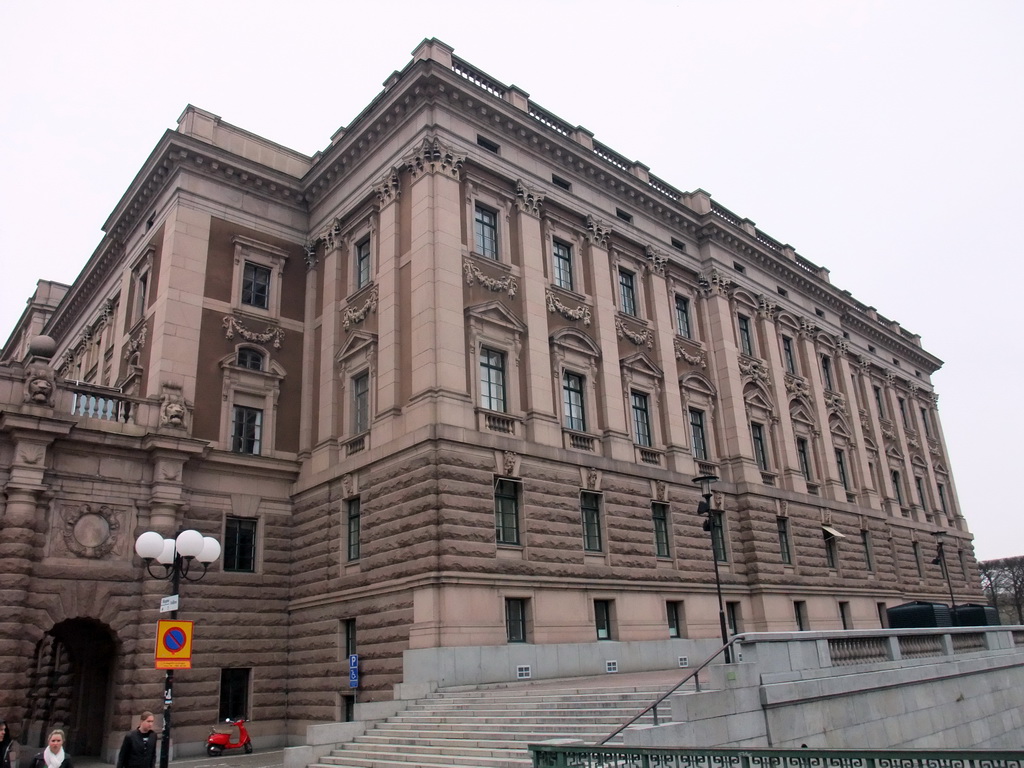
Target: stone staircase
[(491, 727)]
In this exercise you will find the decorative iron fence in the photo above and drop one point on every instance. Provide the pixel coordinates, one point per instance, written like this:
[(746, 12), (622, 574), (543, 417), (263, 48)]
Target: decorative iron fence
[(578, 756)]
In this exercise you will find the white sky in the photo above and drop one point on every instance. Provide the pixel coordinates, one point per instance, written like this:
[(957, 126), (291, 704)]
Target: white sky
[(881, 139)]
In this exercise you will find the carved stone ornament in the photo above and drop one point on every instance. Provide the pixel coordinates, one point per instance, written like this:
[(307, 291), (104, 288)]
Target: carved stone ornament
[(273, 334), (657, 260), (597, 231), (660, 490), (510, 458), (640, 339), (700, 359), (507, 284), (388, 188), (434, 156), (766, 308), (136, 344), (346, 485), (591, 479), (89, 532), (355, 316), (842, 346), (835, 401), (754, 369), (172, 407), (796, 385), (528, 199), (807, 328), (715, 282), (580, 313), (39, 385), (309, 254)]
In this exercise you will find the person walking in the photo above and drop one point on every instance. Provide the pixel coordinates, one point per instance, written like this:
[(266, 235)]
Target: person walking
[(138, 750), (7, 750), (54, 755)]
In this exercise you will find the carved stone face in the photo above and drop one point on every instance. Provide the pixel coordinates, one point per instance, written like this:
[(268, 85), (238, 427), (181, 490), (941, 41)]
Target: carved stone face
[(39, 390), (174, 414)]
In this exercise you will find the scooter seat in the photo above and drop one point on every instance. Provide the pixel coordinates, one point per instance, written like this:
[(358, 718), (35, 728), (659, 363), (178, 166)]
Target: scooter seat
[(225, 731)]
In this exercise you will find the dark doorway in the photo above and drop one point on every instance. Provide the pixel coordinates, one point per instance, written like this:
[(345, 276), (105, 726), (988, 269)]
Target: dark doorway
[(71, 681)]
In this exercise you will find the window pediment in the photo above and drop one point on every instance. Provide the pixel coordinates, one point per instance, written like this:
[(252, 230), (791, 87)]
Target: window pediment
[(495, 314), (642, 364), (572, 340)]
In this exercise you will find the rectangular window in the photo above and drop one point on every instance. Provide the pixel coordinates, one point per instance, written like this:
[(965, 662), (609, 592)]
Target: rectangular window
[(673, 609), (255, 285), (354, 523), (246, 428), (641, 419), (515, 619), (506, 511), (363, 264), (492, 380), (659, 513), (700, 445), (572, 397), (918, 562), (903, 411), (746, 337), (841, 466), (683, 316), (879, 401), (942, 499), (361, 403), (716, 520), (590, 509), (348, 634), (869, 555), (924, 423), (141, 294), (627, 292), (831, 550), (486, 229), (240, 544), (760, 452), (234, 694), (800, 614), (563, 264), (897, 487), (603, 619), (844, 615), (826, 372), (803, 456), (788, 356), (784, 548), (919, 487), (734, 617)]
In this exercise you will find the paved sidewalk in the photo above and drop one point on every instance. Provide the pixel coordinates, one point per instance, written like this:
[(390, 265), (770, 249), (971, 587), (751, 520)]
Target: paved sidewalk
[(261, 758)]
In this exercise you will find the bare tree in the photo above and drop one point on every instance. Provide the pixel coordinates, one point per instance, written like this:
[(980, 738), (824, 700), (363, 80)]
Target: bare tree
[(1003, 582)]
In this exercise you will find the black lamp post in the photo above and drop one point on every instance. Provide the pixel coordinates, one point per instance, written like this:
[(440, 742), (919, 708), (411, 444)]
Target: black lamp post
[(178, 556), (713, 526), (940, 560)]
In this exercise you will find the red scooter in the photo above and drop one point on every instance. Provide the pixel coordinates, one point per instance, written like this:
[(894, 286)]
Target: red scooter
[(220, 738)]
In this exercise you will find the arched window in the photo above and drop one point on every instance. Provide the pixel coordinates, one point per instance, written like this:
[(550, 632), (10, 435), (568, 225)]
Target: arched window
[(250, 358)]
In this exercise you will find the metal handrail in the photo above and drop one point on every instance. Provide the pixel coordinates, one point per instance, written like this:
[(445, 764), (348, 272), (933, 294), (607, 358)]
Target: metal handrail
[(654, 707)]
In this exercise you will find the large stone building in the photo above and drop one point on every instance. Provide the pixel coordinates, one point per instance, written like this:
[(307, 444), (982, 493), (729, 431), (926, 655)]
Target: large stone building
[(441, 390)]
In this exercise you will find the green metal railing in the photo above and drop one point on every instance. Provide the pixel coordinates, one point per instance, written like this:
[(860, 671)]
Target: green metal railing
[(581, 756)]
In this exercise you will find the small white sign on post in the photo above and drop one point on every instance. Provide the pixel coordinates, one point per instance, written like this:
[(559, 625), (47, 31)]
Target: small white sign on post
[(168, 604)]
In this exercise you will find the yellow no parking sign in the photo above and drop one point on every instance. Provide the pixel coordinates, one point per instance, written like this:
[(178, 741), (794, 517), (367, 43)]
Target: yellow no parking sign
[(173, 644)]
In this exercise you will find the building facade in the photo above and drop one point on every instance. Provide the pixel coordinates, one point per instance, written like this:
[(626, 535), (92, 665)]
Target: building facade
[(441, 390)]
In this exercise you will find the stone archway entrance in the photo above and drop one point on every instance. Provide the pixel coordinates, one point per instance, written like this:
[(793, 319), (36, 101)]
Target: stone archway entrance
[(71, 685)]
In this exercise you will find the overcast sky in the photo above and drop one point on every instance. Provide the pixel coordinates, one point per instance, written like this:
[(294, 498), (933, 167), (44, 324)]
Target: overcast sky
[(880, 139)]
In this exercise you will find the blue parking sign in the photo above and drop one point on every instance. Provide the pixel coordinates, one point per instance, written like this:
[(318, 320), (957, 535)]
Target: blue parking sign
[(353, 671)]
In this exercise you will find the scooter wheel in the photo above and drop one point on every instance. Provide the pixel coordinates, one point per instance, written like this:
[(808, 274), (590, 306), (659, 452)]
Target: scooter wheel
[(248, 747), (213, 750)]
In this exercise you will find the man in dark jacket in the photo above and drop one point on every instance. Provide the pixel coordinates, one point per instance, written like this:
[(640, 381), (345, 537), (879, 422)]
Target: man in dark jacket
[(138, 750)]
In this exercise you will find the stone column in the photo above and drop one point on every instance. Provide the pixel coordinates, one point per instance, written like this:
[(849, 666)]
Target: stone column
[(831, 486), (542, 424), (390, 312), (854, 373), (309, 354), (790, 474), (326, 427), (678, 456), (617, 436)]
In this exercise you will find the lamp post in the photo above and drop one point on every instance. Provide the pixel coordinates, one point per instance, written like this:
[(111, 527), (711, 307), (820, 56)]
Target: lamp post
[(940, 560), (178, 556), (710, 525)]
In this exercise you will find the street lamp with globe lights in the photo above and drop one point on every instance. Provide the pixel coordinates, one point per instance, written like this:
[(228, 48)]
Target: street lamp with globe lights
[(179, 557), (713, 526)]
